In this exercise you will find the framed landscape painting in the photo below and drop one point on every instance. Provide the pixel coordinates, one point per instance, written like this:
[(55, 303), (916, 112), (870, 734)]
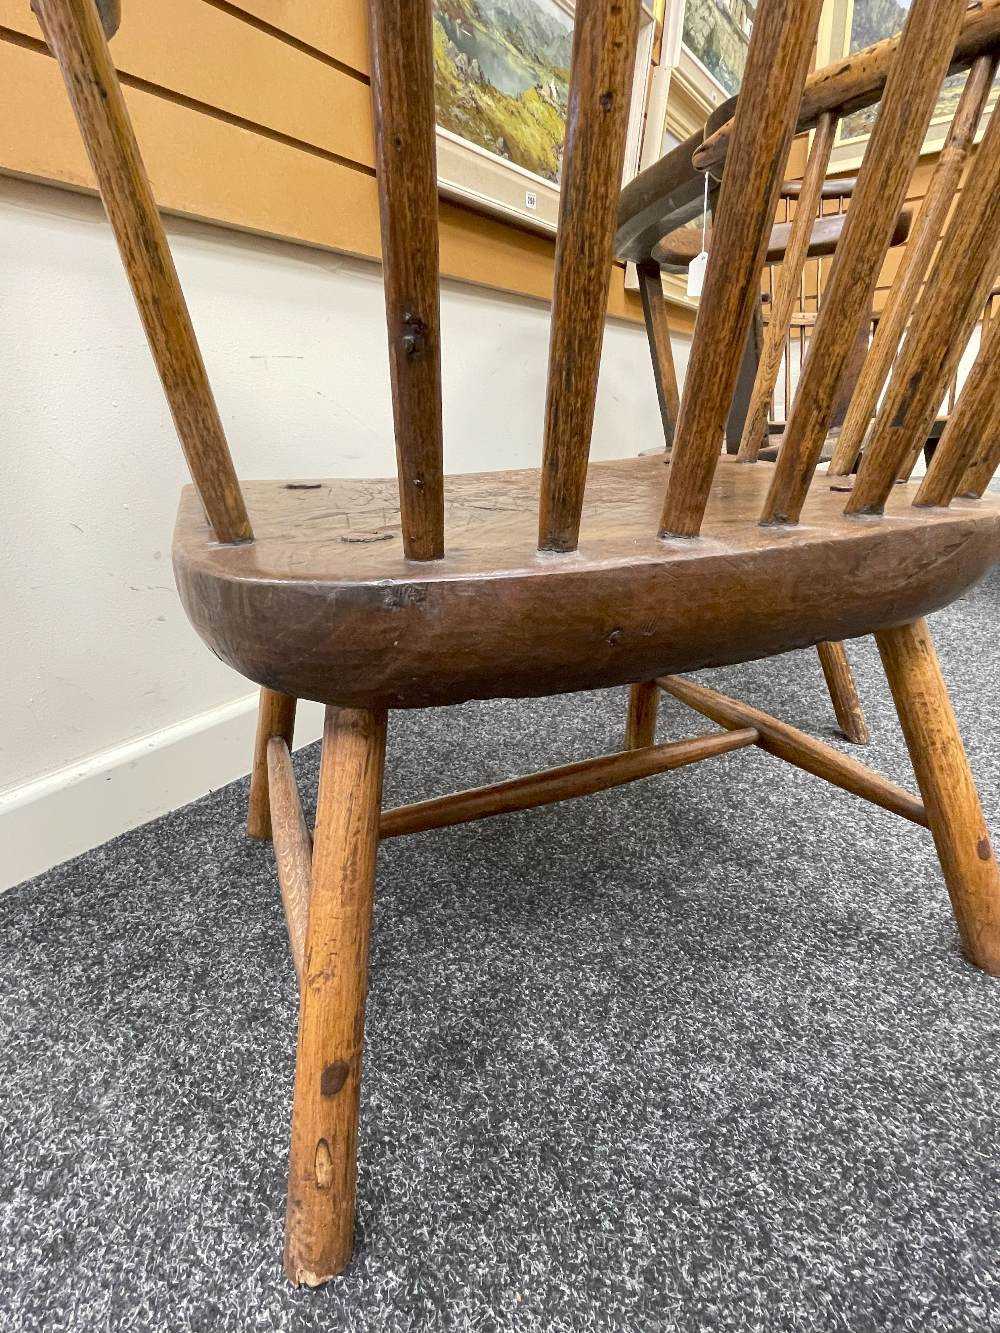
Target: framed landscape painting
[(717, 34), (501, 76), (848, 26)]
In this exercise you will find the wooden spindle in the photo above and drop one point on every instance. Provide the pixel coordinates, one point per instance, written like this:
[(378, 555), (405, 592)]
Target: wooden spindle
[(783, 35), (604, 43), (791, 284), (76, 38), (969, 450), (654, 309), (913, 267), (406, 165), (752, 351), (951, 801), (982, 471), (943, 321), (853, 368), (925, 52)]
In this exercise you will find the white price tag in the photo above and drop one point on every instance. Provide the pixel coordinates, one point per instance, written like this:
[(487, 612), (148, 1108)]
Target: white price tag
[(696, 274)]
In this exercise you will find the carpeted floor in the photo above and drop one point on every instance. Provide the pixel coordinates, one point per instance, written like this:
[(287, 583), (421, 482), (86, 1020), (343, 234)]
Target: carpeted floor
[(700, 1053)]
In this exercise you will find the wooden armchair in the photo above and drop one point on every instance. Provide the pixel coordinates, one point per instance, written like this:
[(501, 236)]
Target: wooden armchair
[(703, 562)]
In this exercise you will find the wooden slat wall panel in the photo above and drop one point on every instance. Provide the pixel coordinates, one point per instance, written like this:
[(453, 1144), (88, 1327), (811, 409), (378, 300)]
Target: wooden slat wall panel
[(194, 49), (199, 166), (338, 28), (244, 128), (249, 74)]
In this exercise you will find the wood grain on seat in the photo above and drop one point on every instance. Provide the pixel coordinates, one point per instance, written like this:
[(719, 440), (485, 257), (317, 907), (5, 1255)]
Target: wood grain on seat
[(325, 606)]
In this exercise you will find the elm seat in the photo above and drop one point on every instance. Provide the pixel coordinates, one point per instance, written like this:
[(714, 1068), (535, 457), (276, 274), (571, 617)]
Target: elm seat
[(323, 605)]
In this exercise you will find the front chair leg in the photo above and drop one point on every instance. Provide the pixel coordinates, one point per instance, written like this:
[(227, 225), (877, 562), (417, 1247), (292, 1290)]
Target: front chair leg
[(319, 1235), (950, 797), (275, 717)]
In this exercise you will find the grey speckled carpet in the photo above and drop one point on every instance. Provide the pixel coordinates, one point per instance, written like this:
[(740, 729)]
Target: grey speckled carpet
[(697, 1054)]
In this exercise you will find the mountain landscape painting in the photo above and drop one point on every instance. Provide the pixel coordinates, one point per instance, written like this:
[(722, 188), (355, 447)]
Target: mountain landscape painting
[(501, 77), (871, 21), (718, 33)]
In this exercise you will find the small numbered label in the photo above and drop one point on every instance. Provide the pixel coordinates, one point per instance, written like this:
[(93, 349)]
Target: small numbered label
[(530, 199)]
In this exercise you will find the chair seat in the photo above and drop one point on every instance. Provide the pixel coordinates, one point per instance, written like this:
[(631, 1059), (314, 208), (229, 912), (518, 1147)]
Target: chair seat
[(323, 605)]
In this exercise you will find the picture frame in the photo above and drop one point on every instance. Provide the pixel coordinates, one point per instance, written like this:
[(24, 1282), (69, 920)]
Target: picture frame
[(471, 173), (713, 40), (847, 26)]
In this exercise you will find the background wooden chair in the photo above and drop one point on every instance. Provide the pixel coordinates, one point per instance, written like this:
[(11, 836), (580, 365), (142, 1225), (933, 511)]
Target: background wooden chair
[(725, 563), (791, 307)]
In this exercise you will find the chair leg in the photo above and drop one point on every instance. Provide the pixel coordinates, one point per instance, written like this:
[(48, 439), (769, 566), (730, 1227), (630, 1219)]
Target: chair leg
[(952, 803), (843, 692), (275, 717), (643, 706), (319, 1234)]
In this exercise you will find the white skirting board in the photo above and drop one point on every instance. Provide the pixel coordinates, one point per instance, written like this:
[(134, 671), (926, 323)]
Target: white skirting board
[(53, 818)]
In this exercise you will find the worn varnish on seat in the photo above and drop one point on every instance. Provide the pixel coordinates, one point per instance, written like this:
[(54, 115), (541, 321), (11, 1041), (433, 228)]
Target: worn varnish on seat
[(372, 595), (310, 610)]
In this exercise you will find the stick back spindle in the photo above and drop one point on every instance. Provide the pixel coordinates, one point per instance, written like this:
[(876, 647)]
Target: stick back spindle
[(942, 324), (74, 32), (406, 162), (604, 43), (924, 54), (782, 40), (969, 451), (905, 290)]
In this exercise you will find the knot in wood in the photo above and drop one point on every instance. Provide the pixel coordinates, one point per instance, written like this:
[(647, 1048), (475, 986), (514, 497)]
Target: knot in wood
[(414, 340), (333, 1078)]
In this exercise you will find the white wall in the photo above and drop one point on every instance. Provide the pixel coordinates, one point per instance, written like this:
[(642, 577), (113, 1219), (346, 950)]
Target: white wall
[(114, 711)]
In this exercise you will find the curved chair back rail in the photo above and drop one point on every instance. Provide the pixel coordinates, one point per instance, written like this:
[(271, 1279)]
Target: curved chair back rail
[(675, 252)]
